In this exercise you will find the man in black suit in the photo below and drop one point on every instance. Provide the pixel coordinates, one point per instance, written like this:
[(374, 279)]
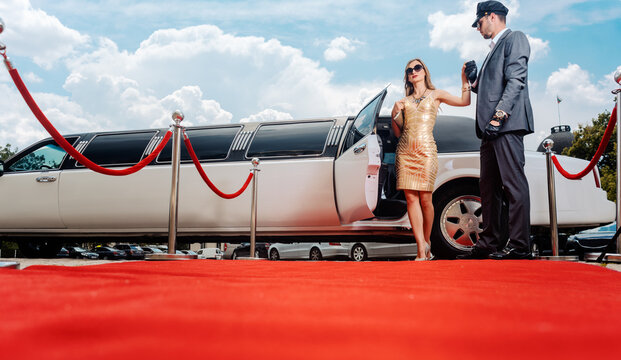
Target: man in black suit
[(503, 116)]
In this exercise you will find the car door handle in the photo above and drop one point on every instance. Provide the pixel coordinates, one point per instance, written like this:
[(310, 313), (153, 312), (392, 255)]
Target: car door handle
[(360, 148), (46, 179)]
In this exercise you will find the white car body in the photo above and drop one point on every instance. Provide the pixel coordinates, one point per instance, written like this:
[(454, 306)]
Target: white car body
[(336, 192), (209, 253), (303, 251), (359, 251)]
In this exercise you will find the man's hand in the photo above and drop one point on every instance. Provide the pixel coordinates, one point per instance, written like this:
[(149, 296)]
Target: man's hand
[(493, 127)]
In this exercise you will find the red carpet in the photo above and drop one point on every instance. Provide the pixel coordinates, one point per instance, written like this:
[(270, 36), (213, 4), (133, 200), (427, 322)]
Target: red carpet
[(311, 310)]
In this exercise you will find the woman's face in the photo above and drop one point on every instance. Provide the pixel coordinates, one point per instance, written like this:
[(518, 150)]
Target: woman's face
[(415, 75)]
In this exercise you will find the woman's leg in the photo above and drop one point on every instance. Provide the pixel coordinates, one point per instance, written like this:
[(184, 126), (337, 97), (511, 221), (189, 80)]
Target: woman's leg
[(426, 204), (415, 214)]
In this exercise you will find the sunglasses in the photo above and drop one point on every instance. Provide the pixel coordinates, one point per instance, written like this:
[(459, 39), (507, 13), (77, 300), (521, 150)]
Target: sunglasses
[(417, 68)]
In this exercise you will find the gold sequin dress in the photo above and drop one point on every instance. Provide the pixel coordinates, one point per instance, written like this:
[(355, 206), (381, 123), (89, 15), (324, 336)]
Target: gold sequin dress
[(416, 163)]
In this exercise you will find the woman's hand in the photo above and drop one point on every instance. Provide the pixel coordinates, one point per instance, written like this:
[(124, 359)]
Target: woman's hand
[(464, 78), (399, 106)]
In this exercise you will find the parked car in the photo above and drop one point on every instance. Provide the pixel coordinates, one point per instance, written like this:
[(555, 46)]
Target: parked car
[(151, 250), (189, 252), (228, 250), (210, 253), (332, 176), (132, 251), (63, 253), (360, 251), (307, 251), (81, 253), (109, 253), (592, 240), (260, 250)]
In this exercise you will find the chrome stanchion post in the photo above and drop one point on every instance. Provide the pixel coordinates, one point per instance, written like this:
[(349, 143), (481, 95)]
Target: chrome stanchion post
[(616, 258), (618, 93), (253, 214), (174, 183), (548, 144), (177, 117), (253, 210)]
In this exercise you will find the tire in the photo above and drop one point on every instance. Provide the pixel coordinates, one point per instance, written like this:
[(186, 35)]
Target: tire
[(234, 257), (359, 253), (315, 254), (257, 254), (105, 257), (274, 255), (458, 220)]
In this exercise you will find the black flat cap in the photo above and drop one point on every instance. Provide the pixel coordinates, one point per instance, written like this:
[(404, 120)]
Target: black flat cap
[(488, 7)]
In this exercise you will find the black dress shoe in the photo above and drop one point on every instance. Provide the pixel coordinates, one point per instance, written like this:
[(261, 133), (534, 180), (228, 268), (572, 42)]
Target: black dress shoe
[(475, 254), (511, 253)]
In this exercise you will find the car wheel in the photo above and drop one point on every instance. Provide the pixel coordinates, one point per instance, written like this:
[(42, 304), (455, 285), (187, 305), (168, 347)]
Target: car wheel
[(257, 254), (105, 257), (234, 257), (315, 254), (458, 220), (359, 253), (274, 255)]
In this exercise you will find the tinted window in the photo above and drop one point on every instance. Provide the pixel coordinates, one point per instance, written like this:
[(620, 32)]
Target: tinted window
[(208, 144), (118, 149), (364, 122), (307, 138), (455, 134), (45, 157)]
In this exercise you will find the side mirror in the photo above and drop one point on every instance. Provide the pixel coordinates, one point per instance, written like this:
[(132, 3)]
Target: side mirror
[(1, 167)]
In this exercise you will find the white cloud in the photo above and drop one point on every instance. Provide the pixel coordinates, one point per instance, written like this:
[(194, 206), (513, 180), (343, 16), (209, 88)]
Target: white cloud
[(538, 48), (454, 32), (32, 32), (211, 76), (267, 115), (339, 48), (574, 84)]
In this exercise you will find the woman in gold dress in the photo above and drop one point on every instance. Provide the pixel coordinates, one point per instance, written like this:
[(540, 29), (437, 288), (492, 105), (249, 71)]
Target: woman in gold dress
[(416, 164)]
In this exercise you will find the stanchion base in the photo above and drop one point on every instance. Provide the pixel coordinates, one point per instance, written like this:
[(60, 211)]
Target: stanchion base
[(249, 258), (614, 258), (9, 265), (161, 257), (557, 258)]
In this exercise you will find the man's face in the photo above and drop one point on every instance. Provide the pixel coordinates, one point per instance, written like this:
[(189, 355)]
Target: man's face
[(486, 26)]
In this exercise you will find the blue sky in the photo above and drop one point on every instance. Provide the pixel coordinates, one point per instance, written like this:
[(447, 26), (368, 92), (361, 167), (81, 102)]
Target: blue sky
[(111, 65)]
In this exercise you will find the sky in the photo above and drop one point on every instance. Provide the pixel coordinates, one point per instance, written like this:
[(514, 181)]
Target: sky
[(117, 65)]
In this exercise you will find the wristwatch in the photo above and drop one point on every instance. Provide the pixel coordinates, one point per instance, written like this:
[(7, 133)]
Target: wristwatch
[(500, 114)]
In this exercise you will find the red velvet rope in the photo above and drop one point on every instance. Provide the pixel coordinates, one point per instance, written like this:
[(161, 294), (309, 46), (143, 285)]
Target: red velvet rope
[(70, 149), (598, 153), (197, 163)]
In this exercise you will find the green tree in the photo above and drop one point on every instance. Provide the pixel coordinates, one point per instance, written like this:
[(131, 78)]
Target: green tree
[(7, 152), (587, 140)]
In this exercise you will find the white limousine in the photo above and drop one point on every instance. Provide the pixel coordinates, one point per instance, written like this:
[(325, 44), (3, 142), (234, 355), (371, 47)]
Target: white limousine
[(319, 179)]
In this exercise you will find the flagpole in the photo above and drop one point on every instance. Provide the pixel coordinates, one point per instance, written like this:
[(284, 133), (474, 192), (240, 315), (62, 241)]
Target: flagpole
[(558, 108)]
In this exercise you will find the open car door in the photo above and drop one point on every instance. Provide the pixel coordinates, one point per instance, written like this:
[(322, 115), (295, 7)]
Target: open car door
[(356, 170)]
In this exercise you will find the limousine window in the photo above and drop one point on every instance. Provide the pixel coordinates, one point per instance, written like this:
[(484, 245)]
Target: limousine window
[(47, 156), (455, 134), (363, 124), (208, 144), (118, 149), (307, 138)]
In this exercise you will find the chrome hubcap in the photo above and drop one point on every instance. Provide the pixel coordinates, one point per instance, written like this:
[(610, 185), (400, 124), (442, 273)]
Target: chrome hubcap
[(461, 221), (358, 253)]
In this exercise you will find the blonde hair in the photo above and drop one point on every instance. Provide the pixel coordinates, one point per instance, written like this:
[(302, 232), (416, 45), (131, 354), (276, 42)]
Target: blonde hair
[(409, 87)]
